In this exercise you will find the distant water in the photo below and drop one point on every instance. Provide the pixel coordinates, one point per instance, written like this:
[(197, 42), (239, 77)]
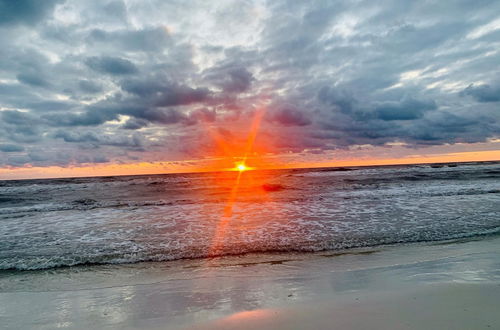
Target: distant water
[(64, 222)]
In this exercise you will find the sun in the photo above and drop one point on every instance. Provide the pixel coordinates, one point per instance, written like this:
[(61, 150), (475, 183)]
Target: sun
[(241, 167)]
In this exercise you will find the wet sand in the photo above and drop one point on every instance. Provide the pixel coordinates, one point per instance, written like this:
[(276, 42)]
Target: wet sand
[(447, 285), (439, 306)]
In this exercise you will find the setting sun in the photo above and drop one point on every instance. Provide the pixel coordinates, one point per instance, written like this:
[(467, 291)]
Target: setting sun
[(242, 167)]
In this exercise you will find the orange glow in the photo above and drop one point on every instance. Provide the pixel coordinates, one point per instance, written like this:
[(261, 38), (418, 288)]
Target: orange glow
[(255, 161), (245, 184), (246, 316), (237, 144), (242, 167)]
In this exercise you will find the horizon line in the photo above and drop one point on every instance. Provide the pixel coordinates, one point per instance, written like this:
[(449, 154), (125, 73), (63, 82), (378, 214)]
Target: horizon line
[(260, 169)]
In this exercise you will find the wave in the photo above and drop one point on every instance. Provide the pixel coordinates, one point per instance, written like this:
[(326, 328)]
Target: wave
[(469, 192), (10, 200), (86, 204), (27, 263)]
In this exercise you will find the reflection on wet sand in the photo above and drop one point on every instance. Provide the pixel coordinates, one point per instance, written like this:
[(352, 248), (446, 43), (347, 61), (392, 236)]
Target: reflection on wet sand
[(188, 293)]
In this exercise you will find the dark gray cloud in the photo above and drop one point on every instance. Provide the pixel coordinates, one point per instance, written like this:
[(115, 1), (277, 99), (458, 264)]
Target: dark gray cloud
[(33, 79), (17, 117), (483, 92), (27, 12), (114, 9), (17, 160), (124, 79), (99, 159), (342, 100), (76, 137), (19, 127), (111, 65), (164, 93), (95, 139), (287, 115), (143, 40), (407, 109), (135, 123), (232, 78), (95, 116), (90, 87), (11, 148)]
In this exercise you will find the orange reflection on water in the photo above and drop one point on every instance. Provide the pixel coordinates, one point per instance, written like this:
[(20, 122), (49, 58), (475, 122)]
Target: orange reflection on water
[(247, 184), (248, 187)]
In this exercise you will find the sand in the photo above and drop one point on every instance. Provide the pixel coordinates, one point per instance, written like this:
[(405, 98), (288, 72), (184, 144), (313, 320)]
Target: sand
[(449, 285), (454, 306)]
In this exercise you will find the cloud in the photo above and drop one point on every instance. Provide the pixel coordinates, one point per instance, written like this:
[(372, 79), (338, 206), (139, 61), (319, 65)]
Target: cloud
[(111, 65), (163, 116), (17, 160), (95, 140), (11, 148), (16, 117), (163, 93), (142, 40), (115, 9), (483, 93), (19, 127), (203, 115), (232, 78), (135, 123), (76, 137), (340, 99), (287, 115), (181, 95), (407, 109), (32, 79), (91, 117), (99, 159), (89, 87), (27, 12)]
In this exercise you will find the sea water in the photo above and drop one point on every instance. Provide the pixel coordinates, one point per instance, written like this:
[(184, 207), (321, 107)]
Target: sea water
[(126, 219)]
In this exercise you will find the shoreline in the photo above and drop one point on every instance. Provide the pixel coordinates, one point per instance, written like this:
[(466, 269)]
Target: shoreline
[(205, 293), (485, 234)]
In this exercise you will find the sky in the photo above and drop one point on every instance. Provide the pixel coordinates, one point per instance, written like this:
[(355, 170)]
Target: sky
[(132, 87)]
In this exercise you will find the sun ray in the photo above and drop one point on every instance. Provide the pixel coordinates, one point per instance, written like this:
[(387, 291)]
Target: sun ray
[(241, 167)]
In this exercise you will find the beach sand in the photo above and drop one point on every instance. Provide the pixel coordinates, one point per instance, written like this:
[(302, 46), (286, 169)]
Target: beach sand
[(452, 306), (445, 285)]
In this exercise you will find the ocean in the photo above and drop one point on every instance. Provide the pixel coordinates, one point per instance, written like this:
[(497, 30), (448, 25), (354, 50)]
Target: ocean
[(49, 223)]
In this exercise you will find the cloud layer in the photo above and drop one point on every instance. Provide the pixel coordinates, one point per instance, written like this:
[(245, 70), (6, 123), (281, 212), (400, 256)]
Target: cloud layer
[(116, 81)]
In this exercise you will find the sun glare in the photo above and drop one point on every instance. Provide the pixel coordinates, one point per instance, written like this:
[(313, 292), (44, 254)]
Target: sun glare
[(241, 167)]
